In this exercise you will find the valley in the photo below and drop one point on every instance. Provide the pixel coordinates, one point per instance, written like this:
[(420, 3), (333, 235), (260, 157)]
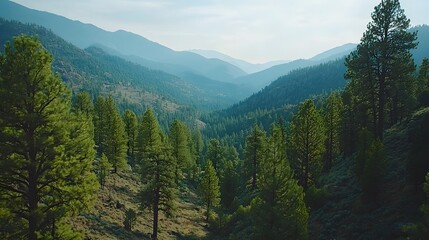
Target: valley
[(110, 135)]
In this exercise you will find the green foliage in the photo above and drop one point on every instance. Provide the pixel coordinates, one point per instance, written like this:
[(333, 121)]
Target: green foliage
[(157, 169), (420, 230), (209, 189), (83, 103), (332, 118), (316, 197), (110, 132), (381, 69), (370, 161), (46, 151), (131, 130), (307, 138), (229, 184), (103, 168), (417, 161), (216, 154), (423, 83), (179, 139), (130, 219), (254, 153), (279, 211)]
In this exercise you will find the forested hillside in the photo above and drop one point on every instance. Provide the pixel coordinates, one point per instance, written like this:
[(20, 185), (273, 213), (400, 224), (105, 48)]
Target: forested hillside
[(95, 147), (133, 85)]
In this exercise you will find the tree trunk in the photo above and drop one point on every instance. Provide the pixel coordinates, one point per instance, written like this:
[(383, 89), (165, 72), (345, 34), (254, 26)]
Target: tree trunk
[(155, 215)]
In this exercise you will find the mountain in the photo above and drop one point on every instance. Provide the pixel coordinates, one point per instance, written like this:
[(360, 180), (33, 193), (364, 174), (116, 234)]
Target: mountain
[(295, 87), (133, 85), (422, 50), (335, 53), (258, 80), (245, 66), (123, 42)]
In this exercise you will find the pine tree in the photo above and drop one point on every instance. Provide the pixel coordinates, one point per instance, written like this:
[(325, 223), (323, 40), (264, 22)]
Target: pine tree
[(229, 181), (46, 151), (423, 83), (130, 219), (216, 154), (157, 168), (198, 142), (382, 66), (209, 188), (103, 169), (307, 143), (332, 119), (131, 130), (254, 152), (100, 125), (181, 149), (279, 209), (110, 132), (83, 103)]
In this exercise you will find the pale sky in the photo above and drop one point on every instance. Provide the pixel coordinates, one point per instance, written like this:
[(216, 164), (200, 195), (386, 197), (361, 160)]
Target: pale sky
[(253, 30)]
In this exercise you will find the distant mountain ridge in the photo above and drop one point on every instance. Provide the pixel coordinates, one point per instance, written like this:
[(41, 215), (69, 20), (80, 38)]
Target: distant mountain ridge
[(121, 41), (257, 81), (93, 70), (244, 65)]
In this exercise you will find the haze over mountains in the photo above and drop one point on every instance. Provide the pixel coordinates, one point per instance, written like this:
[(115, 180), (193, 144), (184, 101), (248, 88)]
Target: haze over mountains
[(244, 65), (224, 80), (187, 65)]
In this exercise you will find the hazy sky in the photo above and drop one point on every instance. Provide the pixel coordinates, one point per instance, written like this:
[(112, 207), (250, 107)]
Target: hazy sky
[(253, 30)]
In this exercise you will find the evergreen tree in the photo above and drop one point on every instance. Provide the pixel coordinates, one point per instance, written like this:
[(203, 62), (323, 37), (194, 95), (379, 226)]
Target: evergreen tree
[(83, 103), (157, 168), (332, 117), (382, 65), (100, 125), (307, 143), (130, 219), (216, 154), (209, 188), (46, 151), (181, 151), (423, 83), (254, 152), (110, 132), (279, 209), (229, 181), (131, 130), (103, 169), (198, 143)]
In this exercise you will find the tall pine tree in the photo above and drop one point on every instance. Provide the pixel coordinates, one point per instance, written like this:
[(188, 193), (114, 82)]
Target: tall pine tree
[(279, 209), (254, 152), (209, 188), (181, 149), (46, 152), (157, 168), (332, 117), (307, 143), (131, 130), (382, 65)]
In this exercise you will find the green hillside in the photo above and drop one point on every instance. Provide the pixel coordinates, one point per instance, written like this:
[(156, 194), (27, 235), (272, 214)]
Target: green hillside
[(134, 85)]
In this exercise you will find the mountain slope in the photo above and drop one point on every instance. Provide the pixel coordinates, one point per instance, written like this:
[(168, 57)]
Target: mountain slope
[(260, 79), (245, 66), (121, 41), (95, 71), (335, 53), (296, 86)]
